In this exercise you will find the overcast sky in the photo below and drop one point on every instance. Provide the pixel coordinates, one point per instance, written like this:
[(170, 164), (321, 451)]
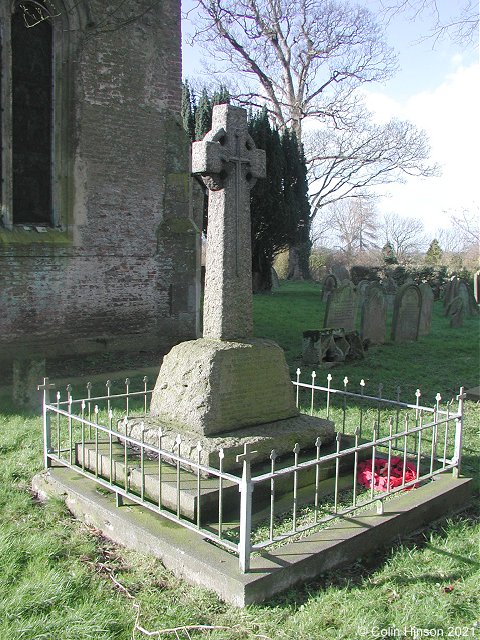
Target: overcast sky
[(438, 89)]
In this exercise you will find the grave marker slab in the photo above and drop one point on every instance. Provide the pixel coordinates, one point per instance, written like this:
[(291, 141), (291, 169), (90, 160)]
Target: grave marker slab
[(406, 313), (361, 288), (341, 308), (329, 284), (26, 374), (456, 312), (469, 303), (464, 293), (390, 288), (476, 287), (426, 310), (451, 289), (374, 315)]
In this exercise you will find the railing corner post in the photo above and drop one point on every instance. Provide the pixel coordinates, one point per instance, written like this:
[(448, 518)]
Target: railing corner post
[(47, 436), (246, 490), (457, 456)]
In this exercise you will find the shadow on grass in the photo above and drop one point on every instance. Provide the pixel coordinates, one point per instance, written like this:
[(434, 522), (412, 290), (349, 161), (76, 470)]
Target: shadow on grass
[(8, 408), (357, 575)]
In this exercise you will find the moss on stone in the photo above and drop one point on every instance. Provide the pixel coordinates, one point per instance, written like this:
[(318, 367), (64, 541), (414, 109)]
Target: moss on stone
[(178, 225), (23, 237)]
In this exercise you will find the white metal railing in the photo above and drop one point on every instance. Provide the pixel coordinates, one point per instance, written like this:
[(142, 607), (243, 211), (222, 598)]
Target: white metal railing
[(426, 439)]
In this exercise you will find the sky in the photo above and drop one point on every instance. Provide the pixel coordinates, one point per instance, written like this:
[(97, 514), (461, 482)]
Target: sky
[(437, 88)]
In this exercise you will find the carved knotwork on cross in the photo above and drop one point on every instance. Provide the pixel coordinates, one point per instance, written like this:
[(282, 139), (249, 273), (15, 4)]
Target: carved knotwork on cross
[(229, 164), (219, 154)]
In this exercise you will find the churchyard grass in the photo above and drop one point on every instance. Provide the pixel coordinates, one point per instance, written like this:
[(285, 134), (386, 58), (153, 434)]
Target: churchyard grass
[(61, 580), (438, 363)]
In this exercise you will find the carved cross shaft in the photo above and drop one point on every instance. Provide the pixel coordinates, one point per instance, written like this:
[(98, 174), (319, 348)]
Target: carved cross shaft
[(229, 165)]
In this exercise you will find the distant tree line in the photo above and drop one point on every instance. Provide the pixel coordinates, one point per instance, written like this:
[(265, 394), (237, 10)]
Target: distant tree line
[(279, 203)]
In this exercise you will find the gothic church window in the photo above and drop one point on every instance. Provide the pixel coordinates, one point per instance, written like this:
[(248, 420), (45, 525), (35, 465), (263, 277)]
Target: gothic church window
[(31, 119), (28, 118)]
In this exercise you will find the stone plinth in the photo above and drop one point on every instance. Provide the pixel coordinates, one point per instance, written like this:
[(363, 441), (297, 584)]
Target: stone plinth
[(281, 435), (210, 386)]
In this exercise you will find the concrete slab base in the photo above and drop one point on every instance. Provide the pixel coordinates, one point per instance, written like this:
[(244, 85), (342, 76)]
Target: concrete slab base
[(199, 562)]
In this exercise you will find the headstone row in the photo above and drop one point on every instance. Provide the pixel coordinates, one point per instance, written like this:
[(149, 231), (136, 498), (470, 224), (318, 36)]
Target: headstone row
[(412, 313), (412, 307)]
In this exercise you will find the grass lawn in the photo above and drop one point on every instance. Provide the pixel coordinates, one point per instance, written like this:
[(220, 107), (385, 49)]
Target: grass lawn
[(59, 579)]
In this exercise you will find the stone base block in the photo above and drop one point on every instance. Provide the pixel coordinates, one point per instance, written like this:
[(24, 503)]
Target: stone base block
[(211, 386), (281, 435)]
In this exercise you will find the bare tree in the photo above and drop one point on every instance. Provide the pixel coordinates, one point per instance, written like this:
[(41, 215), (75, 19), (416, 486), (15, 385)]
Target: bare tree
[(466, 227), (449, 241), (406, 235), (353, 224), (307, 59), (457, 254), (343, 163), (303, 58), (460, 26)]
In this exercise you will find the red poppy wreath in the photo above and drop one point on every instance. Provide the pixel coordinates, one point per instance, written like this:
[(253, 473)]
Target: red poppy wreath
[(380, 473)]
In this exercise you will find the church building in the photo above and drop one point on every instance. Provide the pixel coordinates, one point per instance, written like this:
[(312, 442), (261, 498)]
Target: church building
[(98, 250)]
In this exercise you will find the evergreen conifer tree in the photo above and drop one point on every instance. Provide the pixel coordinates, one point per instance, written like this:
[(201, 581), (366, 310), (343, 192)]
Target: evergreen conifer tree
[(204, 110), (388, 253), (279, 203), (203, 115), (267, 207), (221, 96), (188, 111), (297, 205), (434, 254)]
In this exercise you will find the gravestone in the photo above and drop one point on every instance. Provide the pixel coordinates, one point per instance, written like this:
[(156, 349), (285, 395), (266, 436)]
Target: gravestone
[(361, 288), (406, 313), (329, 284), (341, 308), (456, 312), (476, 289), (464, 294), (451, 289), (209, 386), (227, 388), (469, 304), (26, 374), (340, 272), (426, 310), (373, 321), (390, 288)]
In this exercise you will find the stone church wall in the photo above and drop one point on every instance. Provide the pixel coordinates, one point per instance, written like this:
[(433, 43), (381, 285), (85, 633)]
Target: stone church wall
[(118, 269)]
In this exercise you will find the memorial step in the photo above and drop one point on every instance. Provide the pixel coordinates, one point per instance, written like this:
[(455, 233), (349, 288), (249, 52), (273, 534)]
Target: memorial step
[(179, 486)]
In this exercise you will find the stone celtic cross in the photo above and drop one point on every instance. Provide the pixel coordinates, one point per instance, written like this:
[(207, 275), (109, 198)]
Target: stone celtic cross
[(229, 165)]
